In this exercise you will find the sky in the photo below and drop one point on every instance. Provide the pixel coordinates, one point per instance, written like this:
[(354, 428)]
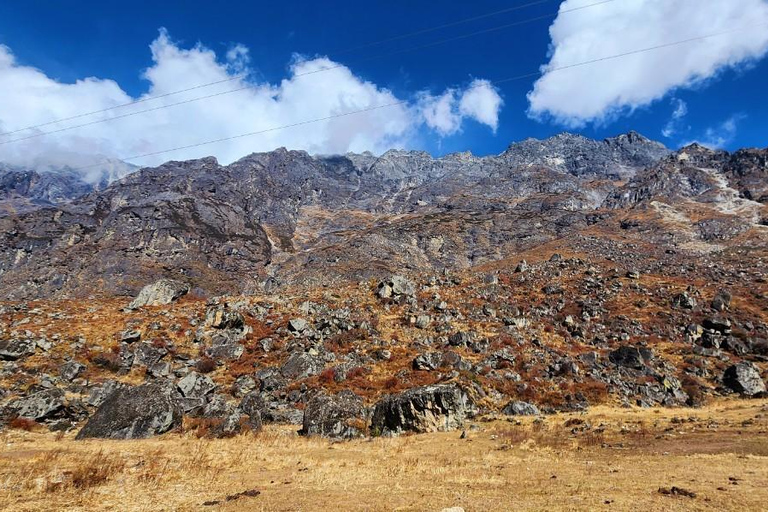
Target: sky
[(440, 77)]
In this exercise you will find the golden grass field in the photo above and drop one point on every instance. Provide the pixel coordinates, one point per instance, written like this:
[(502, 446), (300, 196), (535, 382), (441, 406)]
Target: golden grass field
[(719, 452)]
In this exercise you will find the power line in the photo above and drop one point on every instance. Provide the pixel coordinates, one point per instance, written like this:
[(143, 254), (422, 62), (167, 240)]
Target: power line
[(495, 82), (298, 75), (440, 27), (239, 76)]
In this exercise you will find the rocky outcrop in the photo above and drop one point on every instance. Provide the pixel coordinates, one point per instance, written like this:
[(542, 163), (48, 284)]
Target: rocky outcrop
[(159, 293), (340, 416), (425, 409), (134, 413)]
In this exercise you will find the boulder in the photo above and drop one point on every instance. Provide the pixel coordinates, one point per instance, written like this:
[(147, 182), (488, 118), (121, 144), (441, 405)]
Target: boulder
[(130, 336), (744, 378), (721, 301), (340, 416), (224, 318), (134, 413), (71, 370), (297, 325), (425, 409), (518, 408), (41, 406), (194, 385), (159, 293), (253, 406), (301, 365), (428, 361), (397, 288), (631, 357), (13, 349)]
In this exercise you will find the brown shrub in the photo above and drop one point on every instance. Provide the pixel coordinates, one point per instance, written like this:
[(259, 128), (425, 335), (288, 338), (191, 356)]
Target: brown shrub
[(205, 365), (20, 423), (391, 383), (327, 376)]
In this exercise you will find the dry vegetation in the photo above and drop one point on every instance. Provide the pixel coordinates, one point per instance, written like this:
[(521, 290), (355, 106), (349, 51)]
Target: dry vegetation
[(617, 459)]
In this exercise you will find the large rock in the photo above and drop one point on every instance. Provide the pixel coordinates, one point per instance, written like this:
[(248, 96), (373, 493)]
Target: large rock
[(518, 408), (397, 288), (631, 357), (301, 365), (159, 293), (134, 413), (194, 385), (13, 349), (42, 405), (224, 318), (425, 409), (744, 378), (340, 416)]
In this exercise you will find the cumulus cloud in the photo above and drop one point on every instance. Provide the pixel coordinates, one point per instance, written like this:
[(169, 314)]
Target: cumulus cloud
[(446, 113), (675, 123), (598, 92), (720, 136), (312, 89)]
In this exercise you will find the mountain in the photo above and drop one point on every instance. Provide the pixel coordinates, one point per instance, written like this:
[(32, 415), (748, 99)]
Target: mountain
[(24, 189), (286, 217)]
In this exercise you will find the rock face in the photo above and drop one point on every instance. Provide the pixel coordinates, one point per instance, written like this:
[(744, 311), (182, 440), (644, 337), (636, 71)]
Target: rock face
[(159, 293), (210, 223), (340, 416), (744, 378), (134, 413), (424, 409)]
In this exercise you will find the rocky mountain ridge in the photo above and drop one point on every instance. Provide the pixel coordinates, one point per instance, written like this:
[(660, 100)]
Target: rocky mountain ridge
[(286, 217)]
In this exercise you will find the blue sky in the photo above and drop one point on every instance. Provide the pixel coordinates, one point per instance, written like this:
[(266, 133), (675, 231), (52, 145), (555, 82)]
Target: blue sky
[(68, 41)]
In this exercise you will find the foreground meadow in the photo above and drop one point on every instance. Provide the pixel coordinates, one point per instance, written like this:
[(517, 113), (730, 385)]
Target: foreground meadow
[(713, 458)]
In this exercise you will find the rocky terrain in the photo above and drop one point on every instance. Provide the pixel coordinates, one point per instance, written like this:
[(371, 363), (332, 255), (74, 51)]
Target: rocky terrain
[(359, 296)]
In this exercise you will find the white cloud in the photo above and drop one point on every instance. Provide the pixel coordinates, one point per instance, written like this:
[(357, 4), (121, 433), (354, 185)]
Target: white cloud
[(718, 137), (482, 103), (445, 114), (674, 124), (597, 93), (29, 97)]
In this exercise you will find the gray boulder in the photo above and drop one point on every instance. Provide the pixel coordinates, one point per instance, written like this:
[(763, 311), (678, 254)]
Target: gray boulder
[(160, 293), (424, 409), (41, 406), (224, 318), (340, 416), (134, 413), (194, 385), (71, 370), (253, 406), (518, 408), (744, 378), (301, 365), (13, 349), (396, 287), (428, 361)]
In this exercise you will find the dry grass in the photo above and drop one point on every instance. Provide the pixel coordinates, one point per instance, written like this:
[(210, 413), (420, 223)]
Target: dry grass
[(608, 458)]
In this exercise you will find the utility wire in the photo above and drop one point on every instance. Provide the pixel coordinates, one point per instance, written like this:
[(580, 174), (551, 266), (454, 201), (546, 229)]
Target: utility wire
[(495, 82), (236, 77), (321, 70), (441, 27)]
